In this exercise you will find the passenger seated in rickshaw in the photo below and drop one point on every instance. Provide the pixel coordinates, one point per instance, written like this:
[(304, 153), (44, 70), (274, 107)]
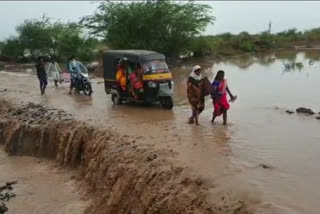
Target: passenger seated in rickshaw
[(121, 76), (136, 81)]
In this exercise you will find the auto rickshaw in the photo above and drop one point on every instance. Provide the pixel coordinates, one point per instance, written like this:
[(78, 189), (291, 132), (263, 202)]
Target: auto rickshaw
[(156, 78)]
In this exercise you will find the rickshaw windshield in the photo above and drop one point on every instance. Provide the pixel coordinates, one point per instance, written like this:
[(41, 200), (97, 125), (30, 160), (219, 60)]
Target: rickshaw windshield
[(155, 67)]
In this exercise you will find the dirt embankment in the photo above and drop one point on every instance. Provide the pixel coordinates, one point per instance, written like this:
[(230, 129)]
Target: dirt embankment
[(123, 175)]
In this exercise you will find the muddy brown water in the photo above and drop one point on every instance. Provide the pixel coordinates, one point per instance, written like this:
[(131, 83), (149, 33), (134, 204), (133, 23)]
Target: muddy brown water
[(41, 187), (264, 154)]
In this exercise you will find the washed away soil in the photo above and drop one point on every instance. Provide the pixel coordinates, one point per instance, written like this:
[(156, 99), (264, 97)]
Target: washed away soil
[(123, 175)]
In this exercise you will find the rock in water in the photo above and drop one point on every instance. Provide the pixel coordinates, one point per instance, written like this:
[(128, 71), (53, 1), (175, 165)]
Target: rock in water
[(304, 110), (3, 208), (265, 166), (289, 112), (318, 118)]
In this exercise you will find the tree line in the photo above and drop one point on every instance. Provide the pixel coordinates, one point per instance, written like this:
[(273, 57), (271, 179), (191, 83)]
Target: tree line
[(228, 44), (170, 27), (44, 37), (164, 26)]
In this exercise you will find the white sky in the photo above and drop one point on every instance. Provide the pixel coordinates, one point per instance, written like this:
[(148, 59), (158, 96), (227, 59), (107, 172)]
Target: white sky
[(254, 16), (231, 16)]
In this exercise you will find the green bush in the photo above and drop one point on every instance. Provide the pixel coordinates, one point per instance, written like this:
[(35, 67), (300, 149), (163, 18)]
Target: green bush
[(247, 46), (312, 35), (201, 47), (289, 35)]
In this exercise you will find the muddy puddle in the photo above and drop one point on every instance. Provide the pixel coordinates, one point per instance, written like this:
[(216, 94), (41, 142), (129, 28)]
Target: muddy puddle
[(264, 155), (41, 187)]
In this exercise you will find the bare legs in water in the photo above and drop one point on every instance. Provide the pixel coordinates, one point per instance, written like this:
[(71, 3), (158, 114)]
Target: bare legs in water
[(224, 116), (194, 118)]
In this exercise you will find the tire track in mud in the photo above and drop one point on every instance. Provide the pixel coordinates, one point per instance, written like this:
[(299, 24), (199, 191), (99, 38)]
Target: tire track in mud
[(123, 175)]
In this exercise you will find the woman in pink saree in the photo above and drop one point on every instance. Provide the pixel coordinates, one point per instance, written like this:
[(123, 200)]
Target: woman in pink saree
[(219, 97)]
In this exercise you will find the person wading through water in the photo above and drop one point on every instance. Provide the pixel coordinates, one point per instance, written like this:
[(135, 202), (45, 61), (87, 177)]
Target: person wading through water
[(42, 75), (195, 97), (55, 71), (219, 96)]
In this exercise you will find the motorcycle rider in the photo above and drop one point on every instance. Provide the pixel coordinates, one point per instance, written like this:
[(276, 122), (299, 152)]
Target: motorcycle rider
[(75, 67)]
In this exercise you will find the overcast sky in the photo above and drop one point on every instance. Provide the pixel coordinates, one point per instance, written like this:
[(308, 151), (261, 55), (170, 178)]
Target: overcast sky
[(231, 16)]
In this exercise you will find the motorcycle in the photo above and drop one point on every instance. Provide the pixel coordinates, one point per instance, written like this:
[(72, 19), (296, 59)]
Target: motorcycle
[(83, 83)]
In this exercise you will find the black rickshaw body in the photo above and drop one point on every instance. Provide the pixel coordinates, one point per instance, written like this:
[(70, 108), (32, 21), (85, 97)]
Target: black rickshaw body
[(156, 76)]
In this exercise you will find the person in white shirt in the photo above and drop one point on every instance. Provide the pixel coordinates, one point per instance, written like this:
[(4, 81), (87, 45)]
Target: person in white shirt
[(54, 70)]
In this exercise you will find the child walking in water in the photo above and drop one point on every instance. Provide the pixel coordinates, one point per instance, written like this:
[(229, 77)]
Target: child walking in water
[(219, 97)]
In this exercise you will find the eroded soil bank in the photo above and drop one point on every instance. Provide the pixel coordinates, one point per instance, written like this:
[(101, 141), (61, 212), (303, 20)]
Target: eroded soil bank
[(124, 176)]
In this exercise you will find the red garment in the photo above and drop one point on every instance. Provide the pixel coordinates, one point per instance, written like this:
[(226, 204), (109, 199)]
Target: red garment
[(137, 84), (220, 102)]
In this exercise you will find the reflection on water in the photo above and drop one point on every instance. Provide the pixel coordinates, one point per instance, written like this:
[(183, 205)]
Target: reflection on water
[(312, 55), (243, 61), (286, 55)]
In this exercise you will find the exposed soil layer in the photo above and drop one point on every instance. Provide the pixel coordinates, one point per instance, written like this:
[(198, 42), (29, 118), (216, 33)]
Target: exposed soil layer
[(125, 176)]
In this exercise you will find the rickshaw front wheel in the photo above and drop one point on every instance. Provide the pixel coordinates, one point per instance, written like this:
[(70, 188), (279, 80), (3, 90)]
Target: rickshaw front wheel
[(116, 99), (167, 102)]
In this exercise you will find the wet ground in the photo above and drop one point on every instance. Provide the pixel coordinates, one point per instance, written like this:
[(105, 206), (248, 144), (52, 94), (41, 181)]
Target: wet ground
[(41, 187), (264, 154)]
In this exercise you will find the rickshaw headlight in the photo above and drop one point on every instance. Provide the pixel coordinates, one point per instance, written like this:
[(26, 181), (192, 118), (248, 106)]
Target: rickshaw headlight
[(170, 84), (152, 84)]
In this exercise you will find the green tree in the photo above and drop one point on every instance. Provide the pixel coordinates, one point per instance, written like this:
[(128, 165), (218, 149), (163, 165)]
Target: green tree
[(201, 46), (70, 42), (12, 48), (164, 26), (45, 37), (312, 35), (35, 35), (265, 41), (290, 35)]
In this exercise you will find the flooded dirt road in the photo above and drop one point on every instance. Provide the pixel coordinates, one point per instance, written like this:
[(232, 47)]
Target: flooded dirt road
[(41, 187), (264, 154)]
